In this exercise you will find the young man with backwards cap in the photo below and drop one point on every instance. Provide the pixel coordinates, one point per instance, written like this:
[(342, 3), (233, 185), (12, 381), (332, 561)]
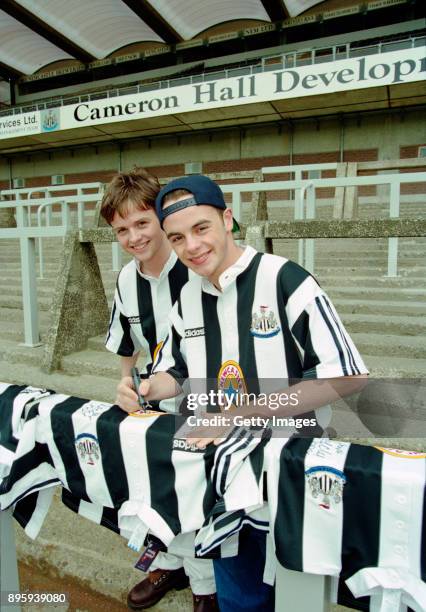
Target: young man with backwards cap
[(246, 318), (146, 288)]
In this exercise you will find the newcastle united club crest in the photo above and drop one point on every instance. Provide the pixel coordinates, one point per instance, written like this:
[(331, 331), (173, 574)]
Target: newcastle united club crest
[(230, 379), (326, 484), (264, 323), (87, 447)]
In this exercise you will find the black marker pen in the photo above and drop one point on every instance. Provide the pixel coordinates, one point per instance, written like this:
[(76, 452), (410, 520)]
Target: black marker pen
[(136, 382)]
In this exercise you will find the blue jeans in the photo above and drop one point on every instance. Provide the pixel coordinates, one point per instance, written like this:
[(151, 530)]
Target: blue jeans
[(239, 583)]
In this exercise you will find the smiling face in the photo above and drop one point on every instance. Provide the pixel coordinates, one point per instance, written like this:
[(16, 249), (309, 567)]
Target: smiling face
[(139, 233), (201, 236)]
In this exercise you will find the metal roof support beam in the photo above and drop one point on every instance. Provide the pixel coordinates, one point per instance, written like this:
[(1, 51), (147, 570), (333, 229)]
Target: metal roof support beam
[(275, 9), (33, 22), (8, 73), (156, 22)]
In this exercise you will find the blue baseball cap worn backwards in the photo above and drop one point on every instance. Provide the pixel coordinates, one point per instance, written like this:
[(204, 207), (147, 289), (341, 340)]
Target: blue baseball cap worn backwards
[(203, 190)]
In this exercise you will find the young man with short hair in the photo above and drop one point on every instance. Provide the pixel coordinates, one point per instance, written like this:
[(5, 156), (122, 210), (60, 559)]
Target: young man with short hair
[(257, 317), (147, 287)]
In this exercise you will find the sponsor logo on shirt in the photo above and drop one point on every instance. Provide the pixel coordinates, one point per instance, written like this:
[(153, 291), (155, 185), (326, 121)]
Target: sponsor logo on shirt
[(183, 445), (134, 320), (231, 380), (194, 332), (87, 447), (264, 323), (326, 483), (404, 454)]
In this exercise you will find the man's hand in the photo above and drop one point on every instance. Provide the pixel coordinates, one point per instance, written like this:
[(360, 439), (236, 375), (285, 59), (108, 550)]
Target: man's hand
[(126, 396), (157, 387)]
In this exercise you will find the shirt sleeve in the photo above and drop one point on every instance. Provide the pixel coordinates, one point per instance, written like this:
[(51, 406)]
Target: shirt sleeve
[(325, 347), (171, 358), (120, 338)]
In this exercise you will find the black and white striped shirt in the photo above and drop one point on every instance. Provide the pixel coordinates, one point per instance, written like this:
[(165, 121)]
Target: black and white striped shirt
[(112, 462), (353, 511), (270, 321), (141, 306), (139, 316)]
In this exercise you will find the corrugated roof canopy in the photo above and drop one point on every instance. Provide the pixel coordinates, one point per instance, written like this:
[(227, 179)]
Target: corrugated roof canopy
[(36, 33)]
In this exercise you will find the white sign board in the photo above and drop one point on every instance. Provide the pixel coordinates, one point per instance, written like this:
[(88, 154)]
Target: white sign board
[(383, 69)]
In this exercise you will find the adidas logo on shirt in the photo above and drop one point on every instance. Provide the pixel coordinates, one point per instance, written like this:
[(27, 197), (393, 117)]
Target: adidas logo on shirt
[(194, 332)]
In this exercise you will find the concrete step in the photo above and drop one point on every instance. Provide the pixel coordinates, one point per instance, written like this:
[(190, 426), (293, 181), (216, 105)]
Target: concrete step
[(84, 385), (368, 262), (14, 330), (8, 315), (328, 279), (49, 265), (395, 367), (380, 307), (16, 290), (93, 362), (15, 301), (377, 293), (367, 270), (13, 352), (374, 344), (385, 324), (97, 343)]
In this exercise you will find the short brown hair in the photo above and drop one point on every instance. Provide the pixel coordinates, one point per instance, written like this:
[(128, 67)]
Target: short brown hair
[(137, 187)]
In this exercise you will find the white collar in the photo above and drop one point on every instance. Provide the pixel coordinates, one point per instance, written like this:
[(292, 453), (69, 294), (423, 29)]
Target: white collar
[(164, 272), (229, 275)]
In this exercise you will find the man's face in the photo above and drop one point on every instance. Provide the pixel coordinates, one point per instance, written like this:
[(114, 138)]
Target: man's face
[(199, 236), (139, 233)]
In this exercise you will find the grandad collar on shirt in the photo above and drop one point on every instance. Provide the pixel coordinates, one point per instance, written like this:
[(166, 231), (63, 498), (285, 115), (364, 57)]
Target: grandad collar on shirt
[(229, 275)]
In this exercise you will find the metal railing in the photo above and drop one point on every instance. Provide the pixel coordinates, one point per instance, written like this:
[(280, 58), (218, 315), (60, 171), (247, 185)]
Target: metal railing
[(27, 234), (30, 208), (308, 186)]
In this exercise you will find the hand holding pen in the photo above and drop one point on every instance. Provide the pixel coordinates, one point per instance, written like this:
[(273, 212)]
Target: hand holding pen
[(136, 382)]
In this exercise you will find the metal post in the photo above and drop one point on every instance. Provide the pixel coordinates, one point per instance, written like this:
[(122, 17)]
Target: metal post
[(395, 187), (40, 258), (310, 242), (80, 211), (9, 577), (48, 216), (29, 283), (65, 215), (29, 292), (236, 205), (116, 257), (298, 215), (301, 592), (40, 241)]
